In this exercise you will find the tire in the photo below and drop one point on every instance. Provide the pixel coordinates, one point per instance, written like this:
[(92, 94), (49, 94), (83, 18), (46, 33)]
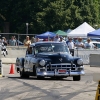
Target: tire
[(22, 62), (34, 71), (77, 78), (23, 74), (40, 77)]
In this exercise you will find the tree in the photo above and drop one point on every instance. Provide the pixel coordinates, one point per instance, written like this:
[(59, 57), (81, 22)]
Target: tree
[(48, 15)]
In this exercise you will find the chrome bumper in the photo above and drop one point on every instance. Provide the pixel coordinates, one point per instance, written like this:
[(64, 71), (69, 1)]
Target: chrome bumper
[(59, 74)]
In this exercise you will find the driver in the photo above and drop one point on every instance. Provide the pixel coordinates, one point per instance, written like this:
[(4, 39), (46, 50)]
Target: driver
[(57, 49)]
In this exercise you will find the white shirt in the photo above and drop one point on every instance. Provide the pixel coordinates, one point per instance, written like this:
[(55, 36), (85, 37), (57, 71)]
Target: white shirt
[(70, 45), (78, 44), (89, 45), (63, 41)]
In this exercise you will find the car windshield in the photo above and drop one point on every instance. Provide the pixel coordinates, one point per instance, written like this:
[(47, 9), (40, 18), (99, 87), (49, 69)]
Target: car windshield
[(53, 47), (97, 45)]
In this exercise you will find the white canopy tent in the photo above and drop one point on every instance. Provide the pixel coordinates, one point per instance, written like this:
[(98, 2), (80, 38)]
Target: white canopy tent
[(81, 31)]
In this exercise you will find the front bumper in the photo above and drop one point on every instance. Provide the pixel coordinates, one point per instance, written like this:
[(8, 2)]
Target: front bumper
[(54, 73)]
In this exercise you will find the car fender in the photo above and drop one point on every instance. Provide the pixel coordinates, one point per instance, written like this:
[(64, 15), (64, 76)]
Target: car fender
[(19, 64)]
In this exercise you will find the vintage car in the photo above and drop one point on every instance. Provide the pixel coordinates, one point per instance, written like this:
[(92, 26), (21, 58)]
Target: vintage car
[(50, 59)]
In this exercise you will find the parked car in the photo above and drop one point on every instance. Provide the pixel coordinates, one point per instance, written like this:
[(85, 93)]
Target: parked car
[(50, 59), (97, 44)]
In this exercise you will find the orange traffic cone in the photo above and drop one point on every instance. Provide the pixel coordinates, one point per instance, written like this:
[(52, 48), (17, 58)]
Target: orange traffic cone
[(12, 69)]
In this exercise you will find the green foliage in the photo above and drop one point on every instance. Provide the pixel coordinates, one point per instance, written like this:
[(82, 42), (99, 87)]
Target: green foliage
[(48, 15)]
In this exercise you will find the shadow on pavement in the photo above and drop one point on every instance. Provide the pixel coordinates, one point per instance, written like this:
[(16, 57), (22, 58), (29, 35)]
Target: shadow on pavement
[(45, 79)]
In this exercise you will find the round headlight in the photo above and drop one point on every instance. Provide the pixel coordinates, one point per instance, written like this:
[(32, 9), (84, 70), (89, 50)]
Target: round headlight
[(79, 61), (42, 62)]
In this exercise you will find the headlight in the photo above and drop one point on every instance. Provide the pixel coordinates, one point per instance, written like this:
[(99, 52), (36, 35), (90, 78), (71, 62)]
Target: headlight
[(80, 62), (42, 62)]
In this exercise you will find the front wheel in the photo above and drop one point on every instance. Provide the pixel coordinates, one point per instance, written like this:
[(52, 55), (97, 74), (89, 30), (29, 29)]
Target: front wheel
[(23, 74), (40, 77), (77, 78)]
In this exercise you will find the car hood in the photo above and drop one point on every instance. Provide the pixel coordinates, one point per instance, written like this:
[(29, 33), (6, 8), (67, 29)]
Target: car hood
[(57, 57)]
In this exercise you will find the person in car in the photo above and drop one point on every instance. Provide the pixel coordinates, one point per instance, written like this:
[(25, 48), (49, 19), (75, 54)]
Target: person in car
[(89, 45)]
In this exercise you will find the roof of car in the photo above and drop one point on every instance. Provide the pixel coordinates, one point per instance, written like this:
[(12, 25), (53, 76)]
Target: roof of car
[(95, 42), (44, 42)]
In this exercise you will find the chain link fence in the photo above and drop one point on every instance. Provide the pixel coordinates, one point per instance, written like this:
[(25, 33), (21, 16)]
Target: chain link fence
[(19, 37), (20, 50)]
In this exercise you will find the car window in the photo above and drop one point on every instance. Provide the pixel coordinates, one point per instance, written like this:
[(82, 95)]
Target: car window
[(54, 47), (97, 45)]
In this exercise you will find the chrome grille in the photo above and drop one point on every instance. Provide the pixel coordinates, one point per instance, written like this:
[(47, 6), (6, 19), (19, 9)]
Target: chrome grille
[(67, 66)]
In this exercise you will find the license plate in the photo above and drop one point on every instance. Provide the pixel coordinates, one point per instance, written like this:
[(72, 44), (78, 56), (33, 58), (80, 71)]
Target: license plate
[(61, 71)]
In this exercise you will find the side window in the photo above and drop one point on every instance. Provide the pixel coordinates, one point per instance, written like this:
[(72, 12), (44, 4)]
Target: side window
[(95, 44), (98, 45)]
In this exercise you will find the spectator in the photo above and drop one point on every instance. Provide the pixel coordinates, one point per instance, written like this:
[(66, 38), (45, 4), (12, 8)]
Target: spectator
[(71, 46), (15, 37), (57, 38), (36, 39), (27, 41), (32, 40), (3, 39), (5, 42), (1, 43), (79, 44), (67, 40), (45, 39), (12, 41), (89, 45), (61, 40), (75, 40), (52, 39), (29, 49)]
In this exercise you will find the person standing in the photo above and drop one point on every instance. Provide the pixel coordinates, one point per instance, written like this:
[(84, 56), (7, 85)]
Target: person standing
[(89, 45), (27, 41), (36, 39), (79, 44), (71, 46), (5, 42), (12, 41), (32, 40), (57, 38), (61, 40)]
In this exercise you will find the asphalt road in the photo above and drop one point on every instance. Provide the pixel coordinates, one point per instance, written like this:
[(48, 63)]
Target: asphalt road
[(14, 88)]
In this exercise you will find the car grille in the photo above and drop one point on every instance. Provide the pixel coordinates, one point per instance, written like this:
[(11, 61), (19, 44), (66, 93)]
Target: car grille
[(67, 66)]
